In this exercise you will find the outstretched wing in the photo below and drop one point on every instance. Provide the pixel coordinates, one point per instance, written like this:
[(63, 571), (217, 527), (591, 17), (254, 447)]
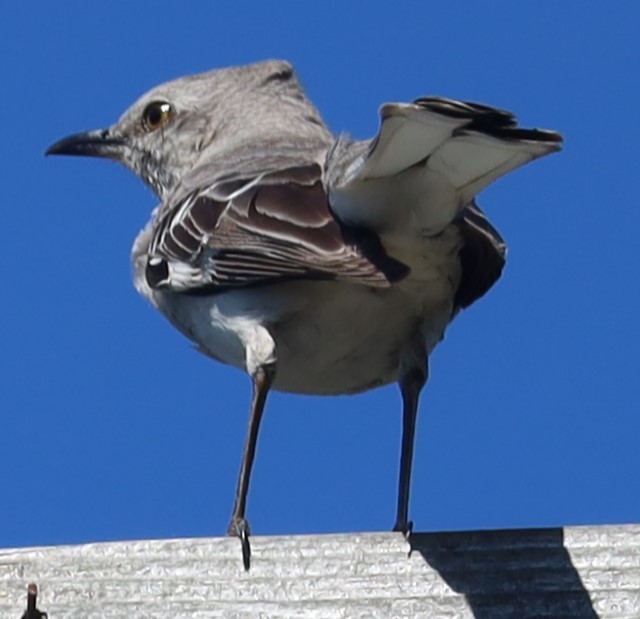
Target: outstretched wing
[(440, 151), (245, 232), (470, 143)]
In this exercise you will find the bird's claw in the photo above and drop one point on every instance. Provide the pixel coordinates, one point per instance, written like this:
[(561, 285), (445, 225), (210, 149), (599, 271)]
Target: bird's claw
[(240, 528), (406, 528)]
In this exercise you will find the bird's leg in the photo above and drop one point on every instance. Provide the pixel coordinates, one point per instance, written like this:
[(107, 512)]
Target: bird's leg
[(411, 383), (262, 378)]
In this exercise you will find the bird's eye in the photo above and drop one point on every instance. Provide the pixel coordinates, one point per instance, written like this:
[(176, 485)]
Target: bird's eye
[(156, 115)]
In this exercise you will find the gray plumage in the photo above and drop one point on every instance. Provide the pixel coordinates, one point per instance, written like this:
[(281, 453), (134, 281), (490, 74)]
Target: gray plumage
[(318, 265)]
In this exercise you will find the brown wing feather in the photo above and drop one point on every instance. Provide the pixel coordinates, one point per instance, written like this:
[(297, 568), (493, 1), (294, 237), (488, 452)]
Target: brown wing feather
[(482, 256), (279, 226)]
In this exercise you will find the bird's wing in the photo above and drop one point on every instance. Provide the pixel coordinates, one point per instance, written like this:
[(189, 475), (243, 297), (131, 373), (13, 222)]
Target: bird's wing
[(450, 150), (275, 226), (482, 256)]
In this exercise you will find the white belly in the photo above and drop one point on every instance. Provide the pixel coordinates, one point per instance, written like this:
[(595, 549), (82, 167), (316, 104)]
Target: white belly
[(330, 337)]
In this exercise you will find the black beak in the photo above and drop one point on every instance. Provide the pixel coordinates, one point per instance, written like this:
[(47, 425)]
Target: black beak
[(99, 143)]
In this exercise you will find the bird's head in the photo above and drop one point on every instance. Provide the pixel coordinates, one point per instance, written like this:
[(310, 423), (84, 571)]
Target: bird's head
[(217, 120)]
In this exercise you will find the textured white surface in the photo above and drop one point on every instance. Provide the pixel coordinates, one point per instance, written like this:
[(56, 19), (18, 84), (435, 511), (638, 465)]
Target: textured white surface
[(576, 572)]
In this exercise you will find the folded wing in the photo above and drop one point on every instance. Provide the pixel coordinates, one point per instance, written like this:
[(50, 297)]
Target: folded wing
[(244, 232), (482, 256)]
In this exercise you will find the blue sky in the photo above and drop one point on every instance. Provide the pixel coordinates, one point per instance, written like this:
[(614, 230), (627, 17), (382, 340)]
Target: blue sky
[(113, 427)]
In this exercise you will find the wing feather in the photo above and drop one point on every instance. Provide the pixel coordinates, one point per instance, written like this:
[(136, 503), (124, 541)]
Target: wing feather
[(482, 256), (432, 157), (272, 227)]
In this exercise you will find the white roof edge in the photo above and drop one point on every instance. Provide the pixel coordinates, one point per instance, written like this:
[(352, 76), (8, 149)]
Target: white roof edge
[(590, 571)]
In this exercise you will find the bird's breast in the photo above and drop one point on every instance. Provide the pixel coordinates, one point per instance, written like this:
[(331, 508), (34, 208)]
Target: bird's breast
[(331, 337)]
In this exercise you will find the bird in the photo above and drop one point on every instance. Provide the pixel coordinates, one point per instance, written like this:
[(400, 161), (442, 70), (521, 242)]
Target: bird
[(318, 264), (32, 611)]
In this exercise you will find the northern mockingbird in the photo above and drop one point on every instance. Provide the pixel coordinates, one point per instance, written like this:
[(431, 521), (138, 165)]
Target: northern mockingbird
[(319, 265), (32, 611)]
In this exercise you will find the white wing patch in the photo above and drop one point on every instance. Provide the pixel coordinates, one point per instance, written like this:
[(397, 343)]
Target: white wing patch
[(407, 135), (429, 160), (473, 160)]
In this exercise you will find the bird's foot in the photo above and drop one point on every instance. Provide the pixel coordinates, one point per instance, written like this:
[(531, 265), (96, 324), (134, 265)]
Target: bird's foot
[(239, 528), (404, 526)]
